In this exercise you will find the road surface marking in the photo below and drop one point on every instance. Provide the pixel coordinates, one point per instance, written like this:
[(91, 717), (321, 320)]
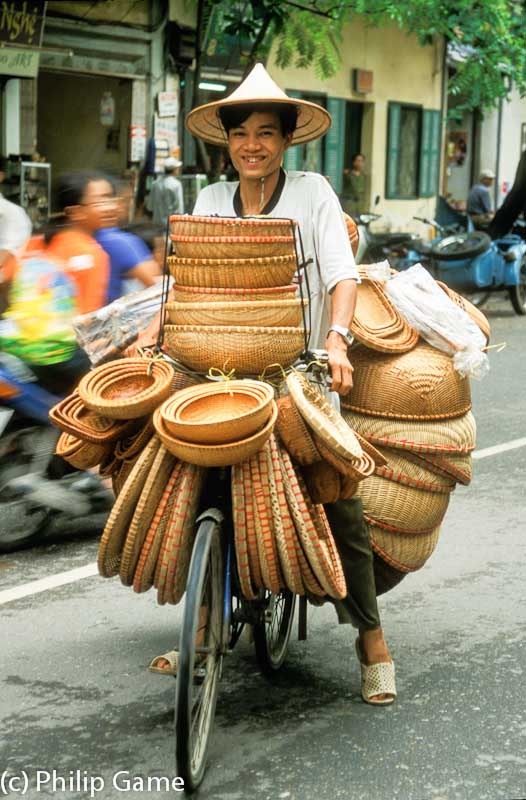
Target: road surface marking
[(51, 582), (88, 571), (500, 448)]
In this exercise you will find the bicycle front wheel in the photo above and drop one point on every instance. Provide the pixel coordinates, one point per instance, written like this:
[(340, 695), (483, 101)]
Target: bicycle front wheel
[(200, 655)]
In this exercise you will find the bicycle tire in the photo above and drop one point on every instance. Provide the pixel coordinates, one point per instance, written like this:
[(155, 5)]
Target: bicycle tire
[(461, 246), (195, 698), (272, 634)]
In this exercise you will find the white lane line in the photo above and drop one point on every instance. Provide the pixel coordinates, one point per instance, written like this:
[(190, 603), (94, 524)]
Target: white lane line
[(73, 575), (500, 448), (51, 582)]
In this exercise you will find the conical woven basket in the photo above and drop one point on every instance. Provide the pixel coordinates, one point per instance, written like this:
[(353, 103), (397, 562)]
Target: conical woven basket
[(404, 552), (402, 507), (209, 294), (259, 313), (421, 384), (246, 350), (189, 225), (232, 246), (256, 272), (456, 435)]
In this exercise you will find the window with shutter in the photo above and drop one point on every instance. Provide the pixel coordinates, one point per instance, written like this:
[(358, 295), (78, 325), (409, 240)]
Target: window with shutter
[(413, 152), (335, 143)]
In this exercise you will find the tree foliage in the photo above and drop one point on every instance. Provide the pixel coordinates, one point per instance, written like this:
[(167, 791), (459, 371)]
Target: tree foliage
[(489, 36)]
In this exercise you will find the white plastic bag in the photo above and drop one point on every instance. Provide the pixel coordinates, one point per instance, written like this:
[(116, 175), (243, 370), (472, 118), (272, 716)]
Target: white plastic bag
[(439, 320), (380, 272)]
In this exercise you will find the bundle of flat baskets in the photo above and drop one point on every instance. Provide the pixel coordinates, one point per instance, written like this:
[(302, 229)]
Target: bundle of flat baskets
[(233, 305)]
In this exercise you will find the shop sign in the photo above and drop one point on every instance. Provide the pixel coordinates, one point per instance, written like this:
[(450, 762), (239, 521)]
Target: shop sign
[(167, 129), (23, 63), (22, 21), (167, 104), (137, 142)]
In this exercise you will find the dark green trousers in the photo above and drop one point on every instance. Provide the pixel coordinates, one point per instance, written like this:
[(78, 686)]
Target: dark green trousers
[(350, 532)]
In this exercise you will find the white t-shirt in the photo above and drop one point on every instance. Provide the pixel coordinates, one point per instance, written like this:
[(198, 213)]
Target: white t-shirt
[(15, 226), (309, 199)]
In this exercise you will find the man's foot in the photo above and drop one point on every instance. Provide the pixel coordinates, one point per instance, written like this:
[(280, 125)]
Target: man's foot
[(378, 673)]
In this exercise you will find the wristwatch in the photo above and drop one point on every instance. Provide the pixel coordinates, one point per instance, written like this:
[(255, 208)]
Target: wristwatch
[(344, 333)]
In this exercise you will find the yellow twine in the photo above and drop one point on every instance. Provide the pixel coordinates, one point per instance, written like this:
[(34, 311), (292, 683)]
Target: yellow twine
[(150, 355), (219, 374), (498, 347)]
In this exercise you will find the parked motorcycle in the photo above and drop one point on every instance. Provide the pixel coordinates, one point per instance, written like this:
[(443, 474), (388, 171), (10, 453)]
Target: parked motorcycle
[(471, 263), (38, 502)]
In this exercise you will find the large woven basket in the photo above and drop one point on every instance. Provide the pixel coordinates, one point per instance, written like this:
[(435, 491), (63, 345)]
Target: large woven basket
[(232, 246), (188, 225), (246, 350), (456, 435), (412, 473), (217, 294), (420, 384), (72, 416), (250, 272), (403, 551), (402, 507), (259, 313)]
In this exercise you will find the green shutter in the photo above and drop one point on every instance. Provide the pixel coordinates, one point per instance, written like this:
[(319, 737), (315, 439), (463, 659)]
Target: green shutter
[(335, 143), (293, 156), (429, 153), (393, 147)]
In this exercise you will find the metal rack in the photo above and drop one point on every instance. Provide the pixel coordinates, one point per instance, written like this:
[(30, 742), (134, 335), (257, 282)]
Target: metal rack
[(29, 184)]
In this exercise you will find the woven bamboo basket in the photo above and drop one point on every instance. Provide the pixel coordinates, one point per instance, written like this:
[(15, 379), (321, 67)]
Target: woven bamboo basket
[(420, 384), (79, 453), (208, 294), (189, 225), (232, 246), (352, 230), (456, 435), (412, 473), (247, 350), (476, 315), (458, 467), (295, 434), (405, 552), (253, 272), (218, 413), (133, 389), (214, 455), (72, 416), (402, 507), (323, 482), (259, 313)]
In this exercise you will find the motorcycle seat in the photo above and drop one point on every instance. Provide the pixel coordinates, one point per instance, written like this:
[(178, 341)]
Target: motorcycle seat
[(391, 239)]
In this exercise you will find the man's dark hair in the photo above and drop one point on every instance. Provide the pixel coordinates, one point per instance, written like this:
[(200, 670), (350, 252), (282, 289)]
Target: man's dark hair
[(234, 116)]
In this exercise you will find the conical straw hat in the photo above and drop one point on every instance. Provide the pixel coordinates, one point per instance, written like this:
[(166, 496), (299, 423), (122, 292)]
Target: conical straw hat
[(258, 88)]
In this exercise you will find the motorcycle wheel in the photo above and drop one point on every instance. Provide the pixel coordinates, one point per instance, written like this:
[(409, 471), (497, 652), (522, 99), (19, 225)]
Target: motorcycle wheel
[(461, 246), (518, 292)]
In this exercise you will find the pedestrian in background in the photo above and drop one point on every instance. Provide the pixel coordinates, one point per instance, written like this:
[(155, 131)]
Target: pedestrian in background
[(354, 187), (479, 204), (166, 195), (15, 230)]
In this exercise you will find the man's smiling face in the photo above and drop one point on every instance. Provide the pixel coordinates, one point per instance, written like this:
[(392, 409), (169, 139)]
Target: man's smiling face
[(257, 145)]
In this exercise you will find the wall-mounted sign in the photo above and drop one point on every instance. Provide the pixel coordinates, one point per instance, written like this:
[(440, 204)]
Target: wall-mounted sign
[(22, 21), (167, 104), (23, 63), (167, 130), (137, 142), (362, 81)]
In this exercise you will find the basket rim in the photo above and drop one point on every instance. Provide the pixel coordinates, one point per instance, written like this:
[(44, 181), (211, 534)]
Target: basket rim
[(243, 221), (176, 237), (225, 306), (205, 290), (180, 261), (235, 329)]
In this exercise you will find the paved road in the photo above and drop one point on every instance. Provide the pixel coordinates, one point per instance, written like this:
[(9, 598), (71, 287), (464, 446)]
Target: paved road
[(76, 695)]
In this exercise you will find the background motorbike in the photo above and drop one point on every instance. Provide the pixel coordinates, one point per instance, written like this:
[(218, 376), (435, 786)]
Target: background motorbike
[(40, 498)]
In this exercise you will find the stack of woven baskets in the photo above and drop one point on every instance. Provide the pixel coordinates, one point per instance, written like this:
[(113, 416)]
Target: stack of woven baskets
[(233, 308)]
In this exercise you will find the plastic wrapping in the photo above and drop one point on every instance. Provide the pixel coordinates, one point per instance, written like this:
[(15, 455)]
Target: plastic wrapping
[(380, 271), (105, 333), (439, 320)]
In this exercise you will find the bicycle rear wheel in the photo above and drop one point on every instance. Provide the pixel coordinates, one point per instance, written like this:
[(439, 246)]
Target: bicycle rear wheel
[(200, 654), (272, 631)]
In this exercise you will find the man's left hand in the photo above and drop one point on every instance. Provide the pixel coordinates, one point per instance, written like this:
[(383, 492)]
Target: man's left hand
[(340, 366)]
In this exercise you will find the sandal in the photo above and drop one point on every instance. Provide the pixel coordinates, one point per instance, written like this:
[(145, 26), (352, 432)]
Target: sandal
[(377, 679), (173, 660)]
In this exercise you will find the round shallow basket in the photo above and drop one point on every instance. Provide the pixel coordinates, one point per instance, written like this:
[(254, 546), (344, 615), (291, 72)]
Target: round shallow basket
[(79, 453), (402, 507), (295, 434), (72, 416), (188, 225), (456, 435), (214, 455), (270, 313), (420, 384), (471, 310), (404, 551), (254, 272), (209, 294), (247, 350), (321, 416), (218, 413), (232, 246), (136, 389)]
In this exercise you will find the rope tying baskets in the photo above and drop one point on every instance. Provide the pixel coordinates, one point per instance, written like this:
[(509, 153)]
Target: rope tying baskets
[(420, 384), (247, 350), (241, 273)]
